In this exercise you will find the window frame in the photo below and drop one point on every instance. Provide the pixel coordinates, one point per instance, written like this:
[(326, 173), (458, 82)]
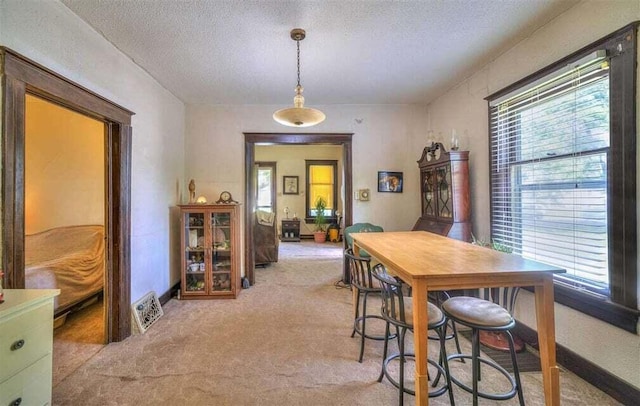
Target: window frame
[(309, 218), (274, 197), (621, 307)]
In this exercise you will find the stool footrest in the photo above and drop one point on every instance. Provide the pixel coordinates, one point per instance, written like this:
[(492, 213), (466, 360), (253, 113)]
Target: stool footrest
[(358, 328), (395, 383)]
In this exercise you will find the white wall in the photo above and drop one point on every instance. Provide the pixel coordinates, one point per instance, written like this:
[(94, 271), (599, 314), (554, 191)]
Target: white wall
[(464, 108), (50, 34), (386, 138)]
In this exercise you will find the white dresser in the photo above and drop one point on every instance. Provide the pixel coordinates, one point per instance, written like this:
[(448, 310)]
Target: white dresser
[(26, 345)]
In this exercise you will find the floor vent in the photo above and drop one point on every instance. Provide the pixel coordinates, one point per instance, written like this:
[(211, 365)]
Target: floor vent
[(146, 311)]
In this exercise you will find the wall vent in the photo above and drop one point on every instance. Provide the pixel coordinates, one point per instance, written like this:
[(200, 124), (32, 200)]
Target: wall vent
[(146, 311)]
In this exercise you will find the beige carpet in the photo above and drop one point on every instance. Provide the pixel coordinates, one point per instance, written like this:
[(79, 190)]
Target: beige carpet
[(284, 341), (77, 340)]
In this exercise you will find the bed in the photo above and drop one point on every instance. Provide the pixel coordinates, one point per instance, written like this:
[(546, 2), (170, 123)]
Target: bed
[(67, 258)]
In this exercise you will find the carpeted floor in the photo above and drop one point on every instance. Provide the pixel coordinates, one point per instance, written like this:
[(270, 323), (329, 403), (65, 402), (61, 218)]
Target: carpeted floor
[(284, 341), (77, 340), (527, 360)]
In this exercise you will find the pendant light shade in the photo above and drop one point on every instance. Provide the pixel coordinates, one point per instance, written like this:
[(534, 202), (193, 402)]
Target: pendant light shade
[(298, 115)]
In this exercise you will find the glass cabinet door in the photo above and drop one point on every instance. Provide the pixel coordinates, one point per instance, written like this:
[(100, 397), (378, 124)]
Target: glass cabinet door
[(445, 197), (194, 252), (428, 193), (221, 251)]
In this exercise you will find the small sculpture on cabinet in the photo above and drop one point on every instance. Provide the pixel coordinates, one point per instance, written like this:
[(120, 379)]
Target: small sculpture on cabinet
[(192, 191)]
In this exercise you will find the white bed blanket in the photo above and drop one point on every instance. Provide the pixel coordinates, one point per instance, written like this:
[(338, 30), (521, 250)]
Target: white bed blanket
[(67, 258)]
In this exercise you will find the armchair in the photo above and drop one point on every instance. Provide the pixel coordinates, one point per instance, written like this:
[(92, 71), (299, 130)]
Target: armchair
[(265, 238)]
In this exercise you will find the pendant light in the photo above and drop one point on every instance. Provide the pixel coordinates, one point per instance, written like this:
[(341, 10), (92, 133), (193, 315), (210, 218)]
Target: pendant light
[(298, 115)]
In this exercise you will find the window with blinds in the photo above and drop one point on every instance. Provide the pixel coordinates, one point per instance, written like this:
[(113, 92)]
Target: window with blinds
[(549, 171)]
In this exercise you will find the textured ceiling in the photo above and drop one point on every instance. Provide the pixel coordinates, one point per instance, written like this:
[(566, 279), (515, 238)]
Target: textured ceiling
[(356, 52)]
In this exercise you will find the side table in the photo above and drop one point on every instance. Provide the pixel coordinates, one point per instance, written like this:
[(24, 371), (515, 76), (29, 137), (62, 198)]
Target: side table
[(290, 230)]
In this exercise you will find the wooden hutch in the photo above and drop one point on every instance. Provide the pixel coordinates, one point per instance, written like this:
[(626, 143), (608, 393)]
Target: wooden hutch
[(444, 191), (210, 251)]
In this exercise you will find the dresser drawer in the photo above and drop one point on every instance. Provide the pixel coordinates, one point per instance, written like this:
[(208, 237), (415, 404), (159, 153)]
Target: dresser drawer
[(25, 338), (32, 385)]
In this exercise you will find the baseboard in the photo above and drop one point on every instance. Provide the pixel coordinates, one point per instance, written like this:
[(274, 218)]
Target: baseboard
[(166, 296), (590, 372)]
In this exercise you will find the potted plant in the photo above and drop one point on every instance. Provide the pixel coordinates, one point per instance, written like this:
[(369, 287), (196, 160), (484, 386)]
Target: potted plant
[(319, 235)]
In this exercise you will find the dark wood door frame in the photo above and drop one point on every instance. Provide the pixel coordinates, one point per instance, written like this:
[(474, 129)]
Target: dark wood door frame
[(251, 139), (21, 76)]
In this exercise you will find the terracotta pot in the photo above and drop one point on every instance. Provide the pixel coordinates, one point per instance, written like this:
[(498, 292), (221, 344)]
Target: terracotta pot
[(319, 236)]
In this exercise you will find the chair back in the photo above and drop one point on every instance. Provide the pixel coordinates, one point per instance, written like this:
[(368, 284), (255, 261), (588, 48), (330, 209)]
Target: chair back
[(360, 228), (360, 271), (505, 296), (393, 306)]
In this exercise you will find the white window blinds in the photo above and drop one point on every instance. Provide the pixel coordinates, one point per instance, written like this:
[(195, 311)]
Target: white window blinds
[(549, 154)]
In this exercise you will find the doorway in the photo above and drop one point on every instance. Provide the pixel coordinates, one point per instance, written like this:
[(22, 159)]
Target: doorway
[(65, 216), (22, 77), (251, 139)]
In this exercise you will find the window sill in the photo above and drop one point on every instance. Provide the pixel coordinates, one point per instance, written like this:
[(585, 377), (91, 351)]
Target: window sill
[(600, 308), (327, 220)]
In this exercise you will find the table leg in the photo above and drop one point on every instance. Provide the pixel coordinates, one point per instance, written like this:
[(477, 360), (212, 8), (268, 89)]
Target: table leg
[(354, 292), (420, 333), (547, 341)]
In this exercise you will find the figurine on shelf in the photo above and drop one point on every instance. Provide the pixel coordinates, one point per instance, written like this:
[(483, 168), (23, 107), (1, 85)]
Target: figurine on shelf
[(192, 191)]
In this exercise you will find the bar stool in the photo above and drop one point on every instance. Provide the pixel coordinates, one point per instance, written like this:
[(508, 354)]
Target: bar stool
[(483, 315), (397, 310), (439, 297), (364, 285)]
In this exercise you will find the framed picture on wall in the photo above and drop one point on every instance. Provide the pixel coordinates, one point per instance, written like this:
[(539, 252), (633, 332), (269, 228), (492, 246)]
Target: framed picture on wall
[(390, 182), (290, 185)]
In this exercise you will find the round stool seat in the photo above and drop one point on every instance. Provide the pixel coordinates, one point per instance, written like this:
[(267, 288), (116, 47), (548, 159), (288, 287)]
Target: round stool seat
[(435, 314), (479, 312), (483, 315)]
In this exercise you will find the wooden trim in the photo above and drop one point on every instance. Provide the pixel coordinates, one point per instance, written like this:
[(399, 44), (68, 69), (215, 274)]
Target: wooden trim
[(20, 76), (171, 292), (622, 167), (54, 87), (13, 182), (564, 61), (250, 139), (299, 139), (347, 156), (610, 384), (307, 205), (120, 215), (250, 198)]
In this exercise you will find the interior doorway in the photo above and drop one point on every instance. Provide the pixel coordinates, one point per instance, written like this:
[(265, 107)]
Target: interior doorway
[(64, 215), (22, 77), (251, 139)]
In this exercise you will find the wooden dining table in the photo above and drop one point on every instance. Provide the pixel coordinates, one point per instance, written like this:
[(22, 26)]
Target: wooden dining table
[(430, 262)]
